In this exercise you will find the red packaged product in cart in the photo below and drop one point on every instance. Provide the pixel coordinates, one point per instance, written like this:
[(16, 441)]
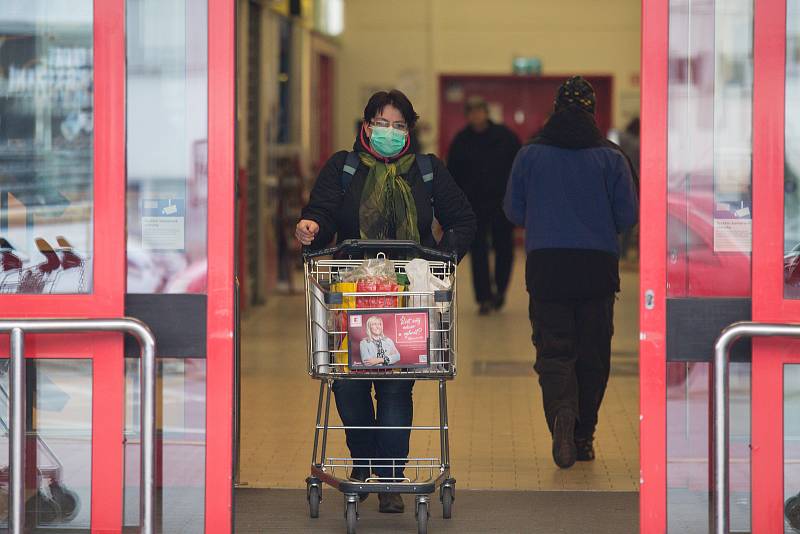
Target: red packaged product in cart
[(366, 285), (376, 285)]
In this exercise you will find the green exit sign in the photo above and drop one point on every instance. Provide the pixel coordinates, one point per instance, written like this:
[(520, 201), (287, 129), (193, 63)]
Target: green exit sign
[(527, 65)]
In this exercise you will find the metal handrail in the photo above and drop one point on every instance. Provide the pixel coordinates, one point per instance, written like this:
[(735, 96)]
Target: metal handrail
[(17, 328), (719, 463)]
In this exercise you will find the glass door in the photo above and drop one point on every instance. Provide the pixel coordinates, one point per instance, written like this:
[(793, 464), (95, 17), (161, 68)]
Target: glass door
[(180, 128), (776, 277), (62, 251), (712, 73), (697, 213), (116, 199)]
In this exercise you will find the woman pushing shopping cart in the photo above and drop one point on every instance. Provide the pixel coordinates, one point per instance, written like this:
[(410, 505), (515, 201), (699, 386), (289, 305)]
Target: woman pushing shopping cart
[(381, 190), (385, 324)]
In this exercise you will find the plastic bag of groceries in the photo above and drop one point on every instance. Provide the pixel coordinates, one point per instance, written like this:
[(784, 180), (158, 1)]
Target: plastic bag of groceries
[(375, 275), (372, 276)]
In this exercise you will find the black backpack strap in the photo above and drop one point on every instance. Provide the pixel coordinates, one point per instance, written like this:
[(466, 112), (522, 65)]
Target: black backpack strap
[(426, 169), (423, 162), (349, 169)]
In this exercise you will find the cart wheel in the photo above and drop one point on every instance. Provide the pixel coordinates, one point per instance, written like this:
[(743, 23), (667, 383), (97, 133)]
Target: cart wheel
[(792, 512), (314, 498), (351, 517), (67, 500), (47, 510), (422, 518), (447, 502)]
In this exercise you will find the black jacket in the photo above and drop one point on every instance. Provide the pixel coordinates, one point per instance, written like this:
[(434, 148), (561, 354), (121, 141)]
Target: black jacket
[(481, 162), (337, 213)]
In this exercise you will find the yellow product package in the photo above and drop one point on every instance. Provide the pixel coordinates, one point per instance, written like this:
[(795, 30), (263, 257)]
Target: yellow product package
[(347, 302), (345, 287)]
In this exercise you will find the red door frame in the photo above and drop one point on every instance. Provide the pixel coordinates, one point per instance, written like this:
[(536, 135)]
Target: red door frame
[(108, 285), (221, 209), (769, 305), (653, 278)]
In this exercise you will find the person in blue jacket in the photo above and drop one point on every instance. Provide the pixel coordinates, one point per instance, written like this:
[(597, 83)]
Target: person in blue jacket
[(574, 193)]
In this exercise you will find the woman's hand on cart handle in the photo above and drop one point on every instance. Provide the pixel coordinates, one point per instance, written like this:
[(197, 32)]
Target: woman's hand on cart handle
[(306, 231)]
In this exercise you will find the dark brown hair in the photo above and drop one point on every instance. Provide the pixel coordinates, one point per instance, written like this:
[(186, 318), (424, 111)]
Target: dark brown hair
[(381, 99)]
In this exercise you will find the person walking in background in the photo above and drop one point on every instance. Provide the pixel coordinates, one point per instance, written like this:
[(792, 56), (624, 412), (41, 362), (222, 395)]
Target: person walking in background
[(480, 159), (574, 192), (629, 142)]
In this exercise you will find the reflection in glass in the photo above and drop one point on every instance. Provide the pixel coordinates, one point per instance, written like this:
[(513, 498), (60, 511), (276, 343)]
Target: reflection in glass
[(180, 443), (791, 177), (167, 146), (46, 146), (709, 148), (59, 443), (688, 387)]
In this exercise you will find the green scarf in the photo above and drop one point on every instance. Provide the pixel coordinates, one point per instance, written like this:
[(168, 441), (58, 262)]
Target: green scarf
[(387, 201)]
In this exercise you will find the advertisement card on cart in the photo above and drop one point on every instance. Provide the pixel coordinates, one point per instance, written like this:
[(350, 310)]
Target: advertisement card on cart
[(388, 339)]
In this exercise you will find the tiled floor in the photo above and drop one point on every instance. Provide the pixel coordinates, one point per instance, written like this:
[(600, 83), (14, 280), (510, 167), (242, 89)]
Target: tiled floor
[(474, 512), (499, 439)]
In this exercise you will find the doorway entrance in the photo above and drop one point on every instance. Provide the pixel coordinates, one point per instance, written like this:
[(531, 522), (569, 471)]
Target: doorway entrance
[(116, 198), (499, 439)]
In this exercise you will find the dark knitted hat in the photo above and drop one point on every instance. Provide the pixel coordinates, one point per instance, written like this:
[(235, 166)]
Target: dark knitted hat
[(575, 92)]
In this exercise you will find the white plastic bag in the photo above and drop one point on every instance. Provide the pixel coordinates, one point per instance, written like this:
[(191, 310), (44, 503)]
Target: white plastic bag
[(420, 278)]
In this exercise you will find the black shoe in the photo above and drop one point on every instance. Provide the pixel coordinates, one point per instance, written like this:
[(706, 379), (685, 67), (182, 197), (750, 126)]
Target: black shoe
[(485, 309), (499, 302), (360, 474), (391, 503), (585, 449), (564, 452)]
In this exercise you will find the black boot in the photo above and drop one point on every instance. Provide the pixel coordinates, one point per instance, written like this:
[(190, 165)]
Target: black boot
[(498, 302), (585, 449), (391, 503), (564, 452), (360, 474)]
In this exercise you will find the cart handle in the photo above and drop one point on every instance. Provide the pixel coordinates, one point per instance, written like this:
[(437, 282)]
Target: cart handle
[(352, 246)]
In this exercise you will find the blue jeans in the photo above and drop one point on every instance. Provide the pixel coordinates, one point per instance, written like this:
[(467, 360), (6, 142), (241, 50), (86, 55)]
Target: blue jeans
[(395, 408)]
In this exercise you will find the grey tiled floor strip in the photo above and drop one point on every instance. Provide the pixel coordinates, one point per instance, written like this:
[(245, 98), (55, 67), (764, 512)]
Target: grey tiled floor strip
[(552, 512)]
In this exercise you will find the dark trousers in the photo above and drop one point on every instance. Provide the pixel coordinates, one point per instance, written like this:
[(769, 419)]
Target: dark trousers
[(493, 232), (395, 408), (573, 357)]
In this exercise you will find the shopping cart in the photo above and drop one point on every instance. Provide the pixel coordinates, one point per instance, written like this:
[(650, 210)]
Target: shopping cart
[(51, 502), (62, 271), (327, 311)]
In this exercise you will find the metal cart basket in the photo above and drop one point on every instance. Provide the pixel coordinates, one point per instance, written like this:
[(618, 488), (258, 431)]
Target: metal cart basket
[(328, 303)]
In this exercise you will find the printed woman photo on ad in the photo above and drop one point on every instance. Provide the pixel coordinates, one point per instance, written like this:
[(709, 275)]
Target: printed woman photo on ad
[(376, 348)]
